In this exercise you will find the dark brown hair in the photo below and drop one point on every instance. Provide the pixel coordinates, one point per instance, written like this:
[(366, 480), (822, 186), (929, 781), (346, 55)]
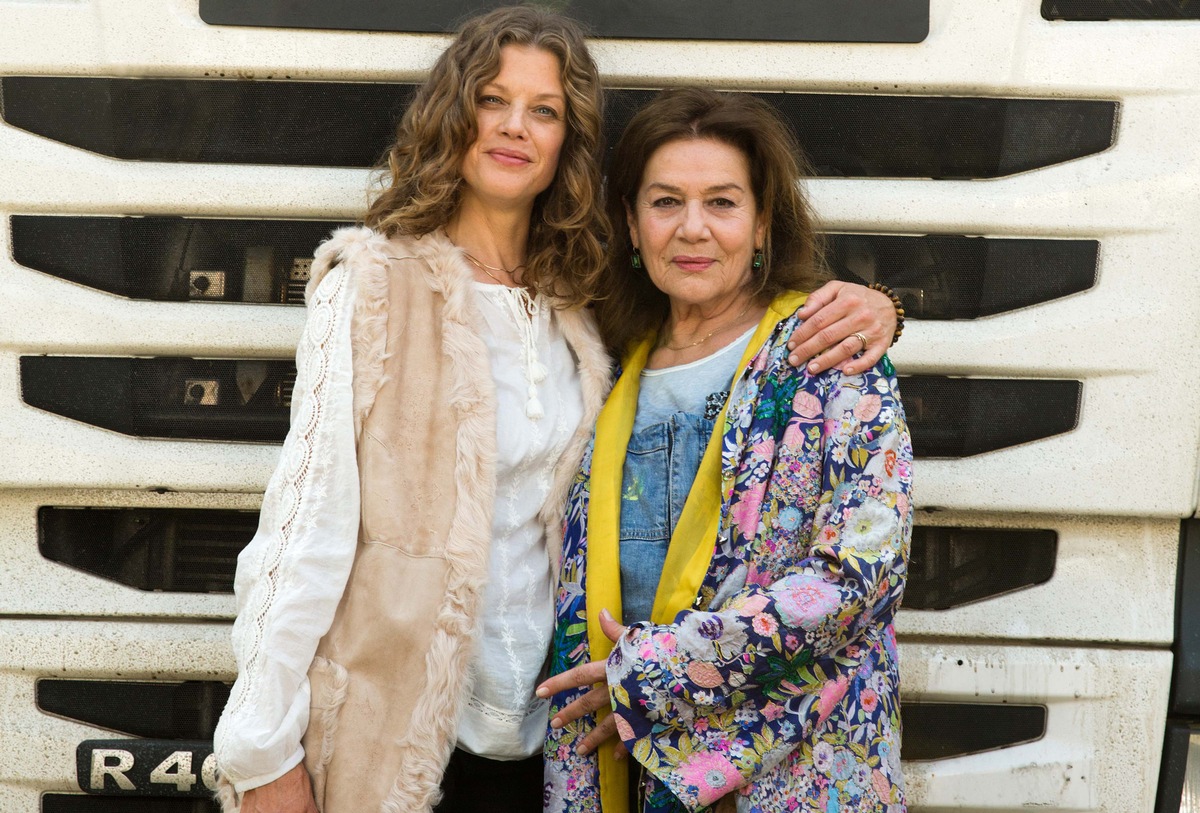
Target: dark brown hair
[(422, 176), (628, 305)]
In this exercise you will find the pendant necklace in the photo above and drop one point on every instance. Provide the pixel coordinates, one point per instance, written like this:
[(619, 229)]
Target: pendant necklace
[(712, 332), (491, 269)]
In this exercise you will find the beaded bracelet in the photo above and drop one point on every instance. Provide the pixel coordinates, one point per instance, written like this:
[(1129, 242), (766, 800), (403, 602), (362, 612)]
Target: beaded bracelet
[(896, 303)]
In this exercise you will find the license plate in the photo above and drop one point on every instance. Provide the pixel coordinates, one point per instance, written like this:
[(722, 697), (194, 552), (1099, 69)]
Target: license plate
[(146, 767)]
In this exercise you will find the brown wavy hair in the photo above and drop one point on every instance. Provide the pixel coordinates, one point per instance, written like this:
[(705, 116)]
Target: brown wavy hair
[(628, 305), (422, 176)]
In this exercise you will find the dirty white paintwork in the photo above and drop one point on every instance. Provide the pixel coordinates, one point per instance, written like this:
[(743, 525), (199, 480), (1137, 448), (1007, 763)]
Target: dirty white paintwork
[(1135, 198), (977, 47), (1108, 586), (39, 749), (35, 586), (1091, 644), (1092, 696), (1106, 710)]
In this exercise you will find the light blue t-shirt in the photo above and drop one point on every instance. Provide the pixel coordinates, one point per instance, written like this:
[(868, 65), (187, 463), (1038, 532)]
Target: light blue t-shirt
[(691, 388)]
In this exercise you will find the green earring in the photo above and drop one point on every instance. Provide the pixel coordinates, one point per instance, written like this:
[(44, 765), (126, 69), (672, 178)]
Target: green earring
[(757, 262), (636, 259)]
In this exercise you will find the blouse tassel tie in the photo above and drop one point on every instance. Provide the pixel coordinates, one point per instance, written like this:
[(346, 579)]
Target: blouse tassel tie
[(526, 309)]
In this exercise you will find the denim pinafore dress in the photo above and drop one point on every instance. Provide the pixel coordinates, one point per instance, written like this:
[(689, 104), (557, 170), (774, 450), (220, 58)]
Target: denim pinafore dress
[(677, 409)]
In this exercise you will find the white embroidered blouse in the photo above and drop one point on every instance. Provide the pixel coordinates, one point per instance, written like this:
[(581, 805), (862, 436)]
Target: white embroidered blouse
[(538, 407), (290, 579)]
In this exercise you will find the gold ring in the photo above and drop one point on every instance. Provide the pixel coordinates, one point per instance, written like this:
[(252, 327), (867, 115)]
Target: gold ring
[(862, 339)]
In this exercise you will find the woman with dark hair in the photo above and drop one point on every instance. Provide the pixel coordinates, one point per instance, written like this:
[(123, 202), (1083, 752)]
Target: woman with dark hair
[(747, 521)]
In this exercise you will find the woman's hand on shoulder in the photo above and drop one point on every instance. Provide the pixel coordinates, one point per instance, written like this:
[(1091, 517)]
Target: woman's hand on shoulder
[(290, 793), (834, 317)]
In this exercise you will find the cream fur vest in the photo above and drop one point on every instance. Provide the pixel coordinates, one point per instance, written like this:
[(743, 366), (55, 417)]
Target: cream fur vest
[(389, 677)]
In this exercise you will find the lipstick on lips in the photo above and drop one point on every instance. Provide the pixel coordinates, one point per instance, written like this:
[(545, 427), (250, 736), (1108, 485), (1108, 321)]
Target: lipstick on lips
[(509, 158), (689, 262)]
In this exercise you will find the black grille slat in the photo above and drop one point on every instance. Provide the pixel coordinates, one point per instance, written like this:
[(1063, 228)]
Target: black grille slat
[(946, 730), (1121, 9), (151, 549), (173, 258), (938, 276), (950, 567), (76, 803), (961, 417), (211, 121), (932, 730), (177, 550), (772, 20), (188, 398), (164, 397), (350, 124), (186, 710), (954, 277)]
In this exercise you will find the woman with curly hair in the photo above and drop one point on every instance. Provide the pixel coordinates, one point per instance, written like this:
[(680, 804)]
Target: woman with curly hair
[(396, 601)]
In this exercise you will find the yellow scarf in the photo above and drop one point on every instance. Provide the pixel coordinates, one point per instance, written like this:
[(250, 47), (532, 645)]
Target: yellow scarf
[(691, 548)]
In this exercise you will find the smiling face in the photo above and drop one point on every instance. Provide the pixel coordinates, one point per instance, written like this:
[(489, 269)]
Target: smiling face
[(696, 223), (521, 126)]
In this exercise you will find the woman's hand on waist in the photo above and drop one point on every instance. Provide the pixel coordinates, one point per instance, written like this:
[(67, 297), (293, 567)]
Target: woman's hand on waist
[(588, 674), (290, 793), (835, 316)]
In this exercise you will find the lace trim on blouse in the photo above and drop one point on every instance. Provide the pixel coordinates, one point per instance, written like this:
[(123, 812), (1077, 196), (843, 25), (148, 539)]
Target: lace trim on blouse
[(312, 374), (293, 572)]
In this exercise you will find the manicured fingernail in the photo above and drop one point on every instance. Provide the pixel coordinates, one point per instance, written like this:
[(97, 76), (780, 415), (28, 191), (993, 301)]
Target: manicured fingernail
[(542, 691), (812, 366), (605, 615)]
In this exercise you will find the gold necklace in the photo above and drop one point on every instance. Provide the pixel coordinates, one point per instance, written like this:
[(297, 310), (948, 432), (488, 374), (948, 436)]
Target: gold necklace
[(488, 269), (712, 332)]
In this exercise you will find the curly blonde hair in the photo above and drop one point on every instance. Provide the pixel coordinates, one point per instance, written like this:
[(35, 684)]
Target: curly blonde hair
[(422, 176)]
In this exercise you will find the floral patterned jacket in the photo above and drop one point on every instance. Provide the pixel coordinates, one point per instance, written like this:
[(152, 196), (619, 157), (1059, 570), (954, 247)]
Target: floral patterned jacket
[(781, 686)]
